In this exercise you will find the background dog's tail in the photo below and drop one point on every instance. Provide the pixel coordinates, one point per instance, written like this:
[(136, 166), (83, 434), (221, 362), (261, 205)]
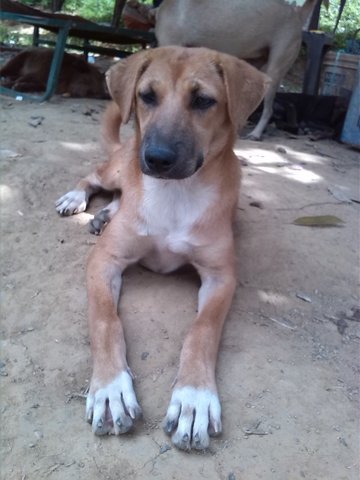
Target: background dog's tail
[(110, 130)]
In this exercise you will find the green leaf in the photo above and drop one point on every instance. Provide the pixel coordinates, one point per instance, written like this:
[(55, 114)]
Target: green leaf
[(319, 221)]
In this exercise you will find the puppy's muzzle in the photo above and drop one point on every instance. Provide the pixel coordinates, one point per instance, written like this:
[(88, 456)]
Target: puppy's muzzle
[(169, 158), (159, 160)]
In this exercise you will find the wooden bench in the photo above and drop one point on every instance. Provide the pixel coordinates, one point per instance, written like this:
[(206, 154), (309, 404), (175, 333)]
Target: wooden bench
[(65, 26)]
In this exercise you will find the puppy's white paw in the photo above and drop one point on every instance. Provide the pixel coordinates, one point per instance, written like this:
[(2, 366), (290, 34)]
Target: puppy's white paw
[(71, 203), (193, 415), (113, 408)]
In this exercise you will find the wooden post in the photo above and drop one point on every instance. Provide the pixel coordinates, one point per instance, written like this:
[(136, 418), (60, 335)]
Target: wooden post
[(118, 9)]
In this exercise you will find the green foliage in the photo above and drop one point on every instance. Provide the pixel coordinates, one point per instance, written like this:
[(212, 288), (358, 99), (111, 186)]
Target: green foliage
[(97, 10), (14, 36), (349, 22)]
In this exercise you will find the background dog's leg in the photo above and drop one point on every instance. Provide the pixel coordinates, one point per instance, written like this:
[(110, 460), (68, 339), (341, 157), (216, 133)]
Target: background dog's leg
[(194, 411), (111, 405), (280, 60), (266, 114)]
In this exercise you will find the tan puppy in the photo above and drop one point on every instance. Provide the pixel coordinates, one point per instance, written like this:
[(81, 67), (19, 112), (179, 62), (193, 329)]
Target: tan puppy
[(179, 181)]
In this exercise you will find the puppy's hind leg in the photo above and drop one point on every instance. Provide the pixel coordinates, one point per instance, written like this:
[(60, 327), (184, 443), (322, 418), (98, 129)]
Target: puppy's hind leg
[(103, 217), (106, 177)]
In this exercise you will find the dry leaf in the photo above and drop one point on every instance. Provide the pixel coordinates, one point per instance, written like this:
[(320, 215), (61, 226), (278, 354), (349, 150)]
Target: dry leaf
[(319, 221)]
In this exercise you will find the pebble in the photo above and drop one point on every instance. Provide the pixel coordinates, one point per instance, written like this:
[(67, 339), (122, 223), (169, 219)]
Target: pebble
[(36, 120), (304, 297), (256, 204), (8, 154), (164, 448)]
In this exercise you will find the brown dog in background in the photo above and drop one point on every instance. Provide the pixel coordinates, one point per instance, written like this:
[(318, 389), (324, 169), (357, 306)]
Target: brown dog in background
[(179, 182), (29, 70)]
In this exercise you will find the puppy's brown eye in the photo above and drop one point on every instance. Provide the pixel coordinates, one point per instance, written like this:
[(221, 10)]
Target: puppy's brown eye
[(149, 97), (201, 102)]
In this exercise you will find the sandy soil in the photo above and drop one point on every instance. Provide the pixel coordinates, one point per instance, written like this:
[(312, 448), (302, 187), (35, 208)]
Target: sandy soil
[(288, 370)]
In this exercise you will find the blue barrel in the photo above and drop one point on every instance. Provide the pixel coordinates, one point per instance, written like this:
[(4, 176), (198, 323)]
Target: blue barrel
[(351, 129)]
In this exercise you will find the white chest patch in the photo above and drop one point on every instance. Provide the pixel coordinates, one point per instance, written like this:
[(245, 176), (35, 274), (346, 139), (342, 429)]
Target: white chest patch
[(170, 208)]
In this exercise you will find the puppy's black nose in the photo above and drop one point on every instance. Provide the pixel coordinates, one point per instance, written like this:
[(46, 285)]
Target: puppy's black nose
[(159, 159)]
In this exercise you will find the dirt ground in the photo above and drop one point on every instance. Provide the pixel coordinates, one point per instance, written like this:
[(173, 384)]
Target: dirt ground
[(288, 371)]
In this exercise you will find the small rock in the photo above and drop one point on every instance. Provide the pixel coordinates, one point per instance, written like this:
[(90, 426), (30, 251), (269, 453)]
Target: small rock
[(343, 441), (89, 111), (280, 149), (38, 434), (4, 153), (144, 355), (341, 325), (304, 297), (231, 476), (36, 120), (164, 448), (354, 314), (256, 204)]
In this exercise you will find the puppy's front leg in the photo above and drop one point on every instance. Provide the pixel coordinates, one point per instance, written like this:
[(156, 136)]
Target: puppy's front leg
[(194, 412), (111, 405)]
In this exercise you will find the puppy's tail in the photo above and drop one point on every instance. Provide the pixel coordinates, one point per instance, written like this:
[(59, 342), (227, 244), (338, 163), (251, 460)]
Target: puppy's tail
[(110, 130)]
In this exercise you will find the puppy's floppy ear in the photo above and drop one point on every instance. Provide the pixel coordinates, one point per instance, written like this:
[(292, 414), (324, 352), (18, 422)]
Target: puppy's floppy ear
[(245, 87), (122, 78)]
